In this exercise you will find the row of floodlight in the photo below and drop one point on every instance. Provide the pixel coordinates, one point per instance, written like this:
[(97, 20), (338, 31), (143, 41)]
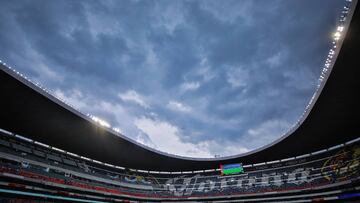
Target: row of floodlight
[(337, 35), (336, 39), (100, 121), (97, 120)]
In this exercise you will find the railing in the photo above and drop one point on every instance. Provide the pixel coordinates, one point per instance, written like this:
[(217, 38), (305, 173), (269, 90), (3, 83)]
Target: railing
[(142, 173), (252, 186)]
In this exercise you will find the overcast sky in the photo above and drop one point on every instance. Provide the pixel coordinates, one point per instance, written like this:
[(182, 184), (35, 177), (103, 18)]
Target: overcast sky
[(193, 78)]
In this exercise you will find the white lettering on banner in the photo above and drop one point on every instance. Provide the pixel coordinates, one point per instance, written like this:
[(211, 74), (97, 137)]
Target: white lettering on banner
[(183, 185)]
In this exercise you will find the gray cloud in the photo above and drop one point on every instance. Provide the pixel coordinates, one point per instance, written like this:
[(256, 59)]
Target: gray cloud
[(220, 73)]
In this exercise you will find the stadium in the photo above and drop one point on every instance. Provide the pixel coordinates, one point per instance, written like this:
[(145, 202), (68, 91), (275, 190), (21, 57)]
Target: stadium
[(43, 157)]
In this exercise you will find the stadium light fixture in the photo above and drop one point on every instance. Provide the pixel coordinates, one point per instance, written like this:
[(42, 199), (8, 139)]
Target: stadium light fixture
[(337, 36), (340, 28), (116, 130), (100, 121)]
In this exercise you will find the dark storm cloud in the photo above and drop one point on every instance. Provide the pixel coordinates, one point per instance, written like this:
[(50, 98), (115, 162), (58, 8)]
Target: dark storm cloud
[(216, 71)]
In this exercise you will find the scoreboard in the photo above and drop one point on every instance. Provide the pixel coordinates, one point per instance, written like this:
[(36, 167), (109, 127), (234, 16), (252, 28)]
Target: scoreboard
[(228, 169)]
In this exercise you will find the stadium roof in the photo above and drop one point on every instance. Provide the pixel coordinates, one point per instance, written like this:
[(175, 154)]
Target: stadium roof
[(332, 118)]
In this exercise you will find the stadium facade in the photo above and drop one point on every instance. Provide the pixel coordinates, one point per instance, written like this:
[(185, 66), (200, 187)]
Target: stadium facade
[(51, 151)]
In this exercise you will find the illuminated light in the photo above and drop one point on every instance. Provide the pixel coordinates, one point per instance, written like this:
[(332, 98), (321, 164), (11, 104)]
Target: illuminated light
[(57, 149), (85, 158), (42, 144), (340, 28), (119, 167), (100, 121), (108, 165), (337, 35), (24, 138), (98, 162), (72, 154), (117, 130), (228, 169)]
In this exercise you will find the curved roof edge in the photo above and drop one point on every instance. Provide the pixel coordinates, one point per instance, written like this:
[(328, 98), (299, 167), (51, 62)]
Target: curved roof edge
[(296, 127)]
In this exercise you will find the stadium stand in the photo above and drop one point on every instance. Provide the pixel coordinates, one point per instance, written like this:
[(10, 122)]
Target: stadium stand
[(322, 172), (33, 169)]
